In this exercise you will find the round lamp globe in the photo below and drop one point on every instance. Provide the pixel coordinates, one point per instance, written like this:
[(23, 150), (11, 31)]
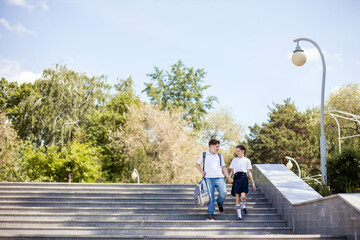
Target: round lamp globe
[(298, 58)]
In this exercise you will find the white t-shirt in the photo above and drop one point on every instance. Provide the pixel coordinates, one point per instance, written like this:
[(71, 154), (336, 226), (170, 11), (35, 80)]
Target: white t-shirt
[(213, 166), (240, 164)]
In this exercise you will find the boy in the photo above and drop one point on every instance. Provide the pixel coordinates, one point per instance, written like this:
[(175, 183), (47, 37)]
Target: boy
[(213, 168)]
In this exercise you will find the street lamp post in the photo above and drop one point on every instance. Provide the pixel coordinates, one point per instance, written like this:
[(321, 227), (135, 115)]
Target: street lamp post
[(299, 59)]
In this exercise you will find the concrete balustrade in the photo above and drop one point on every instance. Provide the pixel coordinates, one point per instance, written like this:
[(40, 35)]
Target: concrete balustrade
[(304, 210)]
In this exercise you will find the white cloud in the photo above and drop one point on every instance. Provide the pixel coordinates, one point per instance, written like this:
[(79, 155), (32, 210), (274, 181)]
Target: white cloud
[(22, 3), (5, 23), (13, 72), (44, 5), (313, 55), (358, 62), (30, 5), (18, 28)]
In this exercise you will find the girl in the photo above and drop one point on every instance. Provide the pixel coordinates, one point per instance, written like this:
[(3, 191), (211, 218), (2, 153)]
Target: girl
[(241, 168)]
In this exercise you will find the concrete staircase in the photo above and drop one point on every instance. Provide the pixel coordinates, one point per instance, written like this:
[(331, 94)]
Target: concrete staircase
[(131, 211)]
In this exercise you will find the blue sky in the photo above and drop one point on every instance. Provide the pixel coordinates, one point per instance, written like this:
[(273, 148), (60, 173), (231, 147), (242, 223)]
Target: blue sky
[(244, 46)]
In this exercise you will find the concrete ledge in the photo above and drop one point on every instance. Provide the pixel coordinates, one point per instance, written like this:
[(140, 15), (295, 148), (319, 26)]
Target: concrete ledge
[(306, 211)]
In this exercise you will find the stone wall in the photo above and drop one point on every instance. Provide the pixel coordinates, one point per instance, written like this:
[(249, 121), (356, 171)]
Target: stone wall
[(303, 208)]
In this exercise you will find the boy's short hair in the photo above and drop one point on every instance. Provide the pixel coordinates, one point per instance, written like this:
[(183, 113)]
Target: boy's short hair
[(214, 142)]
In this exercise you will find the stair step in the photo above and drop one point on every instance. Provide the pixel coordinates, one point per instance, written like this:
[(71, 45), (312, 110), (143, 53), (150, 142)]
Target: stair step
[(189, 237), (142, 223), (11, 216), (121, 199), (85, 204), (99, 193), (139, 210), (111, 192), (99, 185), (174, 231), (103, 197), (112, 186)]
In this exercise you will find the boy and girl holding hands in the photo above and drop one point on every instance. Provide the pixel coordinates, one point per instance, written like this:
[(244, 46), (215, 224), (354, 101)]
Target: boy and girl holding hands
[(213, 174)]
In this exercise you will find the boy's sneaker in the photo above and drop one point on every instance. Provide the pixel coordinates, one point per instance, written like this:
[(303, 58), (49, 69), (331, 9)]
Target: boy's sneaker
[(211, 217), (245, 210), (238, 218), (221, 208)]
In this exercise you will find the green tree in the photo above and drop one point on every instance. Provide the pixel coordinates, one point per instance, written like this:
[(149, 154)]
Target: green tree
[(62, 102), (288, 132), (41, 164), (49, 164), (101, 128), (6, 91), (11, 95), (81, 163), (180, 88), (346, 99), (344, 171)]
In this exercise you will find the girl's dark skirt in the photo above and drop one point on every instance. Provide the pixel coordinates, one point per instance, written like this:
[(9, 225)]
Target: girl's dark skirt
[(240, 184)]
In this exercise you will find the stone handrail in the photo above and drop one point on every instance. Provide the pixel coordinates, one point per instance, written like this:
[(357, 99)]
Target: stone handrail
[(306, 211)]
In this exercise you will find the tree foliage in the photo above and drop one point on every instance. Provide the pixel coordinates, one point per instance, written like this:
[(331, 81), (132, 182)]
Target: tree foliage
[(103, 124), (344, 171), (66, 122), (7, 90), (346, 99), (181, 87), (221, 125), (81, 163), (49, 164), (288, 132), (12, 97), (62, 102), (159, 144), (9, 146)]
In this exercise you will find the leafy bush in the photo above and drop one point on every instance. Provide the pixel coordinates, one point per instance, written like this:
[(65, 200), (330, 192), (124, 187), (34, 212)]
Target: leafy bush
[(344, 171), (50, 164), (322, 189)]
